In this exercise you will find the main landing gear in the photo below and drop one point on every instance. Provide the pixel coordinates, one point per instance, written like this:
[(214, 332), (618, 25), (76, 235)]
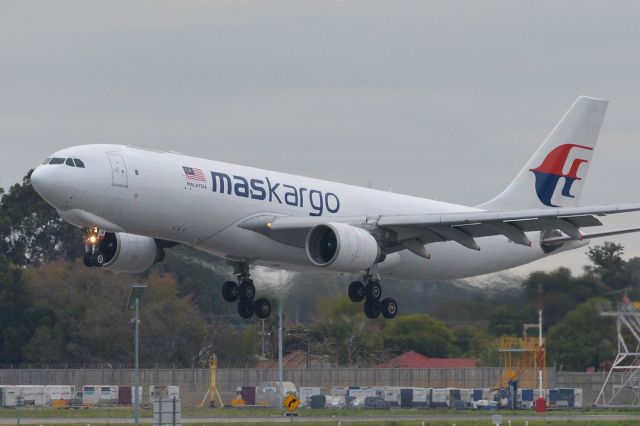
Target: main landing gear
[(244, 291), (371, 291)]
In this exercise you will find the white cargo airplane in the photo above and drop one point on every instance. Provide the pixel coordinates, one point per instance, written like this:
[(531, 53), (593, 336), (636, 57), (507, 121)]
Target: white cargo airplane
[(133, 203)]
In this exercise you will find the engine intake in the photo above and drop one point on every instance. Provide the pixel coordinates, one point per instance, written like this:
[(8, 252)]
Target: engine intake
[(342, 247), (130, 253)]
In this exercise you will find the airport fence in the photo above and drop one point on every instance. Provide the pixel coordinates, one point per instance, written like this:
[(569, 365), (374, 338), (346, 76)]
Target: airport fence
[(194, 382)]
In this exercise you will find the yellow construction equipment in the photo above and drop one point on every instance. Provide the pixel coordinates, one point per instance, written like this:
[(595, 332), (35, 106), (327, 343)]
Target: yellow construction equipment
[(212, 392), (521, 358)]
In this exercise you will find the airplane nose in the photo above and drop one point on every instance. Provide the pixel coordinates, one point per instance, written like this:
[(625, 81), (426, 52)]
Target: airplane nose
[(41, 182)]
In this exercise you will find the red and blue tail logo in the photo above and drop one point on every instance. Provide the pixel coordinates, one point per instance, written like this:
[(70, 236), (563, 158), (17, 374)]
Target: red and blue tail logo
[(548, 173)]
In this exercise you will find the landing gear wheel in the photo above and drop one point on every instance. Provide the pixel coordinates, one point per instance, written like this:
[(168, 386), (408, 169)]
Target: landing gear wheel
[(230, 291), (87, 259), (98, 258), (372, 308), (247, 291), (245, 308), (373, 290), (389, 308), (262, 308), (356, 291)]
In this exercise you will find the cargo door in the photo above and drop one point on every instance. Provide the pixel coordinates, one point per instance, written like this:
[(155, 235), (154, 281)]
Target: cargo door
[(118, 170)]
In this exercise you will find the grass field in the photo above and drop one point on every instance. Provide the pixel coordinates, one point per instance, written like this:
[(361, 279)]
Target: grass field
[(126, 412)]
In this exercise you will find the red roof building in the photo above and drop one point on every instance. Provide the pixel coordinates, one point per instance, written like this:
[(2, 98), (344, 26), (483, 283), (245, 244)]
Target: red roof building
[(415, 360)]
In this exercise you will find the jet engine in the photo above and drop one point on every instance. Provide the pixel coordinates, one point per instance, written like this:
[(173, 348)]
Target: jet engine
[(342, 247), (128, 252)]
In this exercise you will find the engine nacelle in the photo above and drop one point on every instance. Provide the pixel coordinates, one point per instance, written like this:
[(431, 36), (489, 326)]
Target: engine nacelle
[(129, 253), (342, 247)]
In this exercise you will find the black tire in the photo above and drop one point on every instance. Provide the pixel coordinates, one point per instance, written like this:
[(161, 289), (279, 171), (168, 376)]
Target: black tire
[(245, 308), (87, 259), (372, 308), (356, 291), (373, 290), (247, 291), (230, 291), (389, 308), (98, 259), (262, 308)]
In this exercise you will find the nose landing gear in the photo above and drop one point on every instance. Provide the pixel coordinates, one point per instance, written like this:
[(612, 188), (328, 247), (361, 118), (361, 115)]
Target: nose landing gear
[(372, 292), (244, 291), (93, 238)]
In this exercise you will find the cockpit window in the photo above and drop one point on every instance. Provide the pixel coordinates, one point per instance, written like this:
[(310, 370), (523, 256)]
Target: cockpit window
[(69, 162), (46, 161), (56, 161), (78, 163)]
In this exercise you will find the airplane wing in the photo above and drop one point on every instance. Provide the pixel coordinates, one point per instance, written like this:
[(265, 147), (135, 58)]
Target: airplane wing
[(398, 232)]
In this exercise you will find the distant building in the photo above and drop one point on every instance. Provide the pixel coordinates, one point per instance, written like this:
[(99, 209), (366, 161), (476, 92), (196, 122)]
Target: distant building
[(415, 360)]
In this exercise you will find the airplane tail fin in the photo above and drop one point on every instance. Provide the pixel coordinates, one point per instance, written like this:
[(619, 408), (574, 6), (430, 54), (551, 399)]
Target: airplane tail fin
[(554, 176)]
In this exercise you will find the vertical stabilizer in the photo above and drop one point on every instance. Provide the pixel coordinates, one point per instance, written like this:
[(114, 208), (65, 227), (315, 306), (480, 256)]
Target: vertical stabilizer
[(555, 175)]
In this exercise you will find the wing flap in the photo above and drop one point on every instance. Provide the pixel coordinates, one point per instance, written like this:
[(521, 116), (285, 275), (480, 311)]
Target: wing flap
[(462, 227)]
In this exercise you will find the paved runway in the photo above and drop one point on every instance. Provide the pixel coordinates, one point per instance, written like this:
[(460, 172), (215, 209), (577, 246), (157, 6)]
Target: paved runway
[(302, 419)]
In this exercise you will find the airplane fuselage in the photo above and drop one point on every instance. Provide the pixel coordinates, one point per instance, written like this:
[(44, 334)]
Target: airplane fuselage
[(199, 203)]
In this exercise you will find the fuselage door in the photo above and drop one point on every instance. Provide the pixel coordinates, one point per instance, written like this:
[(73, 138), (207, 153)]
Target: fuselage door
[(118, 170)]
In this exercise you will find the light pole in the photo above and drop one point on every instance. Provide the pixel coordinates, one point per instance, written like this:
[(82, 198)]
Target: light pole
[(280, 372), (133, 304)]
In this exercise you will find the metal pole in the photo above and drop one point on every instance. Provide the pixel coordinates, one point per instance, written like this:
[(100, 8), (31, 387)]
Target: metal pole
[(136, 402), (540, 354), (308, 347), (280, 373), (263, 354)]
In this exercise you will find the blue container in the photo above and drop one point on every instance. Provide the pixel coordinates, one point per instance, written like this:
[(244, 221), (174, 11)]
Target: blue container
[(527, 394), (477, 394), (554, 396), (566, 393)]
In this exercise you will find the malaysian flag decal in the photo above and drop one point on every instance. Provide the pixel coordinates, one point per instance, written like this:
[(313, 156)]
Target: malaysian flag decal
[(191, 173)]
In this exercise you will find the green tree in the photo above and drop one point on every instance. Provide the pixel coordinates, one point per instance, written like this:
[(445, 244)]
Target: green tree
[(77, 316), (609, 265), (346, 335), (582, 339), (13, 303), (508, 319), (561, 292), (31, 231), (421, 333)]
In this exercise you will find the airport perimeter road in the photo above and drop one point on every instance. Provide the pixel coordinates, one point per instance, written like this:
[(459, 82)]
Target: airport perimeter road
[(300, 419)]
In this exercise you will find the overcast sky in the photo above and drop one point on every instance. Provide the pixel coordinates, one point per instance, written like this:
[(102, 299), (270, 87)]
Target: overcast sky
[(443, 100)]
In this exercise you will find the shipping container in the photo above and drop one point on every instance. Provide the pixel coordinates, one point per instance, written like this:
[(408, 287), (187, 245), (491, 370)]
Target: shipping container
[(163, 392), (248, 395), (125, 395), (306, 393), (466, 396), (270, 394), (440, 397), (577, 398), (525, 398), (392, 395), (108, 395), (90, 395), (421, 397)]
